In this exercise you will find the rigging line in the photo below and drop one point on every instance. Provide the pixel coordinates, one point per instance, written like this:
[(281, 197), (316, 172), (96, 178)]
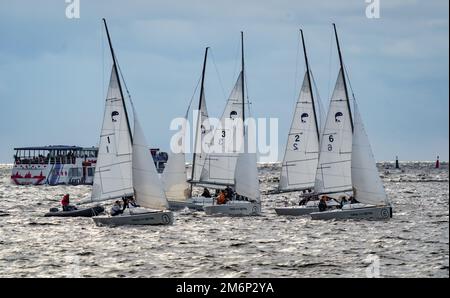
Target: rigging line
[(329, 64), (123, 80), (349, 83), (236, 59), (218, 74), (246, 90), (102, 36), (319, 100), (193, 95), (296, 66)]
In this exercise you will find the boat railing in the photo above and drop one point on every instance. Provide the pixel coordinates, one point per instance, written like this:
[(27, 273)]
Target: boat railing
[(45, 160)]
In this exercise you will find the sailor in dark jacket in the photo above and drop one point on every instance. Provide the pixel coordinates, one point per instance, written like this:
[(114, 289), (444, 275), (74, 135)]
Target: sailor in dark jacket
[(322, 204)]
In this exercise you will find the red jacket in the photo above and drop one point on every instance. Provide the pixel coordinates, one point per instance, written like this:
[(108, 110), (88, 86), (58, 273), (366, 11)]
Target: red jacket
[(65, 200)]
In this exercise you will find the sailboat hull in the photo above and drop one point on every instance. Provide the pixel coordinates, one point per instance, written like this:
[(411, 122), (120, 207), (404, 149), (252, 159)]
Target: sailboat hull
[(234, 208), (141, 218), (194, 203), (311, 206), (365, 213), (86, 212), (295, 210)]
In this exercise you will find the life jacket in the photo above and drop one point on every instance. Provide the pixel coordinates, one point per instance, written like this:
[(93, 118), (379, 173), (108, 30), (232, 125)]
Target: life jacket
[(221, 199)]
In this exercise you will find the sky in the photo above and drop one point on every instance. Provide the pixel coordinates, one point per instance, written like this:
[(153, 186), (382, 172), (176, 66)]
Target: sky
[(54, 70)]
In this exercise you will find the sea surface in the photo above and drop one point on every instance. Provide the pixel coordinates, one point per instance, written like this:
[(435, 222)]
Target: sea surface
[(414, 243)]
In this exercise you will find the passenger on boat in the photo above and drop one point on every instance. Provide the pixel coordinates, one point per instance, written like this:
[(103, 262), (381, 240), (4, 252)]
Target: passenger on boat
[(343, 201), (116, 209), (229, 193), (353, 200), (323, 203), (206, 193), (65, 203), (127, 202), (241, 198), (304, 201), (132, 203), (221, 199)]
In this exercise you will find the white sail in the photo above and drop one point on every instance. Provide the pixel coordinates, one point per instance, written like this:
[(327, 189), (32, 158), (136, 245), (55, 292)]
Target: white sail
[(174, 178), (148, 189), (367, 185), (219, 167), (334, 167), (203, 129), (112, 177), (301, 155), (246, 175)]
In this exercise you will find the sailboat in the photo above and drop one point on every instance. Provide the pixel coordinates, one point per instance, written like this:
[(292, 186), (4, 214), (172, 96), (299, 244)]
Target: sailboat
[(218, 169), (244, 176), (301, 155), (176, 188), (170, 174), (124, 166), (215, 169), (346, 163)]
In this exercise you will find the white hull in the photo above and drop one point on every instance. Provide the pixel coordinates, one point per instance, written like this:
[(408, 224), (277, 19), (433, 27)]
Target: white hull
[(368, 213), (295, 210), (234, 208), (140, 218), (194, 203)]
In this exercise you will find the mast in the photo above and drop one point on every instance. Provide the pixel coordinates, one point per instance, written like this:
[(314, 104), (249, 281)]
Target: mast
[(199, 112), (118, 80), (243, 76), (343, 75), (310, 86)]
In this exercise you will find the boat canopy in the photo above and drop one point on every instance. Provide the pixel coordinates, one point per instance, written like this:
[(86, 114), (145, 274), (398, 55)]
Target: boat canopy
[(55, 147)]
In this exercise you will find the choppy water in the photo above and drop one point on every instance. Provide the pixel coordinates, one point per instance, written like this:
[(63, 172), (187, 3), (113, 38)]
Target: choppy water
[(415, 243)]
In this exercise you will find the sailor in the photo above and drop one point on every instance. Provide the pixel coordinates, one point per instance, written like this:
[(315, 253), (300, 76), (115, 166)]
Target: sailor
[(206, 193), (303, 201), (343, 201), (132, 203), (353, 200), (125, 203), (65, 203), (116, 209), (323, 203), (221, 199), (228, 193)]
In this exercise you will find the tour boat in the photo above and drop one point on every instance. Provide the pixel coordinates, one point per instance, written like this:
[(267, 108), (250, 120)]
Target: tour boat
[(54, 165), (62, 164)]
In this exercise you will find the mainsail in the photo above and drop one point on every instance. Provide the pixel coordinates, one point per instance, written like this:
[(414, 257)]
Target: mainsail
[(148, 189), (367, 185), (302, 150), (334, 168), (219, 167), (113, 169)]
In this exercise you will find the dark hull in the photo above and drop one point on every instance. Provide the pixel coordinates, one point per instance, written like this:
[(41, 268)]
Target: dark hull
[(87, 212)]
